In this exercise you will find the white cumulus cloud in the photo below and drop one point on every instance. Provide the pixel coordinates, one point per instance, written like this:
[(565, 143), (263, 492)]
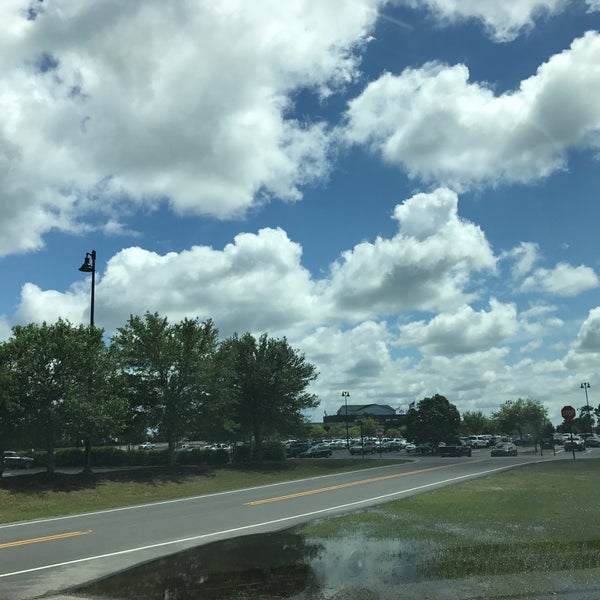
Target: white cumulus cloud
[(428, 265), (562, 280), (464, 331), (504, 19), (108, 104), (439, 126)]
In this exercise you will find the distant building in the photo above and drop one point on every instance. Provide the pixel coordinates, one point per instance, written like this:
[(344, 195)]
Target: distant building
[(386, 415)]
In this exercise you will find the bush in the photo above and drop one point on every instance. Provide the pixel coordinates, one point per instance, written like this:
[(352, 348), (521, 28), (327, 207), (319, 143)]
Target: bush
[(274, 451), (195, 456), (241, 455), (109, 456), (68, 457), (217, 457)]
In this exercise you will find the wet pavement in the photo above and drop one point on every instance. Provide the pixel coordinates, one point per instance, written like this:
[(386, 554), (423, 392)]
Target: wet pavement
[(287, 565)]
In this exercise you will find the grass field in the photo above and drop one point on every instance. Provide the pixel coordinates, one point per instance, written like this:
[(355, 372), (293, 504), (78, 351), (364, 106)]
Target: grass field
[(538, 517), (33, 496)]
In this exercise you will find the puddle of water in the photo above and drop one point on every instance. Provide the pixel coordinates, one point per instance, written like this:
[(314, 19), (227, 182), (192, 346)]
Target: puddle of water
[(283, 565), (289, 566)]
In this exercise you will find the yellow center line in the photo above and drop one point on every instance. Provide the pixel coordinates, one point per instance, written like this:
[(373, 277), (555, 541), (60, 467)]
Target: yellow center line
[(47, 538), (351, 484)]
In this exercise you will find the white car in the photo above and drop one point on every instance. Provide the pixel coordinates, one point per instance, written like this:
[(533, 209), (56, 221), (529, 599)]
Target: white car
[(146, 446)]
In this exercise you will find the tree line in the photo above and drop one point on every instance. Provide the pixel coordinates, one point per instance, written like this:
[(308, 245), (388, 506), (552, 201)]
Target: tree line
[(62, 384), (435, 420)]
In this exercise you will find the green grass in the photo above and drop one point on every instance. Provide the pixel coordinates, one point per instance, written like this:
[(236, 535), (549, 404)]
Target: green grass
[(35, 496), (543, 516)]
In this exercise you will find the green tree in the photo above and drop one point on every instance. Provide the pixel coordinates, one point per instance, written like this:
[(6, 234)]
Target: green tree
[(522, 417), (10, 415), (168, 368), (586, 415), (270, 385), (475, 422), (369, 426), (96, 408), (434, 420), (57, 373)]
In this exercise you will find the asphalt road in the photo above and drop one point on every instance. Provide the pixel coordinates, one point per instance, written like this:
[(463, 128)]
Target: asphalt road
[(52, 554)]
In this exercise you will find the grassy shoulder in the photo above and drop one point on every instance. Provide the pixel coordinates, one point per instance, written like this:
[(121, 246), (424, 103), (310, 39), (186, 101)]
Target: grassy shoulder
[(542, 516), (33, 496)]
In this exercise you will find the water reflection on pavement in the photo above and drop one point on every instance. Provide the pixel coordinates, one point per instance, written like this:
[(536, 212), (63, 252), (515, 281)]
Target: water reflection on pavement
[(276, 565), (287, 565)]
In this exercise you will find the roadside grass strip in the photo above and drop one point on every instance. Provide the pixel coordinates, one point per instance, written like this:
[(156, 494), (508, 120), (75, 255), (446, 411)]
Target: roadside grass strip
[(541, 517)]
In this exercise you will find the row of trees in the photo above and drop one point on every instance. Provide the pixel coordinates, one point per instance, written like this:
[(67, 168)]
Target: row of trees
[(62, 384), (436, 420)]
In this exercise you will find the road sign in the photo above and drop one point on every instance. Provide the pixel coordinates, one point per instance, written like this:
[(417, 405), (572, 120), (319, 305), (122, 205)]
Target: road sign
[(568, 413)]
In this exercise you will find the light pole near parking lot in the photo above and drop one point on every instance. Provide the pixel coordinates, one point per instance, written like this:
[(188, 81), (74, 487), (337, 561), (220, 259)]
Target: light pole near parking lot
[(586, 386), (345, 396), (90, 267)]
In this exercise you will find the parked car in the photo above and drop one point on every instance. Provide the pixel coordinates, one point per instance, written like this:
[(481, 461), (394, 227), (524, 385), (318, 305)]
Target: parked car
[(454, 448), (576, 444), (504, 449), (410, 448), (478, 441), (365, 448), (294, 450), (593, 441), (318, 451), (391, 446), (184, 448), (219, 446), (13, 460), (146, 446)]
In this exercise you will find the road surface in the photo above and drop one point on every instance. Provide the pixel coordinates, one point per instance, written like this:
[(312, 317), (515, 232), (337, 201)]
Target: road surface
[(52, 554)]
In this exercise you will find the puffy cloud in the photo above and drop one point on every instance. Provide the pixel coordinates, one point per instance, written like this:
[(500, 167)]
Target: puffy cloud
[(426, 266), (562, 280), (504, 20), (255, 283), (524, 258), (588, 338), (5, 328), (258, 282), (438, 126), (464, 331), (106, 105)]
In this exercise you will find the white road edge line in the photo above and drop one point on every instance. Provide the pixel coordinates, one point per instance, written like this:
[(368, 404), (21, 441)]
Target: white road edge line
[(198, 497), (255, 525)]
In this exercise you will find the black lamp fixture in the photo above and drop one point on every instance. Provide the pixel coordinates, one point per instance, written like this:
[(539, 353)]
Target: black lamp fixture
[(89, 266)]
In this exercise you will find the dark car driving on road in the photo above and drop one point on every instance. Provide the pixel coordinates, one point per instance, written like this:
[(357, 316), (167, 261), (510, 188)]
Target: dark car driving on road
[(504, 449)]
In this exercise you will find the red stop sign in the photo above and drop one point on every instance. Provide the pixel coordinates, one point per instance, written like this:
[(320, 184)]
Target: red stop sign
[(568, 413)]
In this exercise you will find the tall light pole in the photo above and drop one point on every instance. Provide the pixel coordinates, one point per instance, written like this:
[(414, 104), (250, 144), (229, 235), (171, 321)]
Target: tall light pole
[(89, 266), (345, 396), (585, 386)]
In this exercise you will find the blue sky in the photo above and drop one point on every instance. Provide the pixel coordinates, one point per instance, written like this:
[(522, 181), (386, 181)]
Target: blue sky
[(407, 190)]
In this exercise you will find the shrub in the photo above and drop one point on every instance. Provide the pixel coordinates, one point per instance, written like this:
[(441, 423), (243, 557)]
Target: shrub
[(274, 451), (241, 455), (217, 457)]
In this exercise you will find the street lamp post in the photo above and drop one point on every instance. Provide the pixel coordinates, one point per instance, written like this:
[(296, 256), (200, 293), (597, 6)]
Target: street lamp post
[(89, 266), (585, 386), (345, 396)]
